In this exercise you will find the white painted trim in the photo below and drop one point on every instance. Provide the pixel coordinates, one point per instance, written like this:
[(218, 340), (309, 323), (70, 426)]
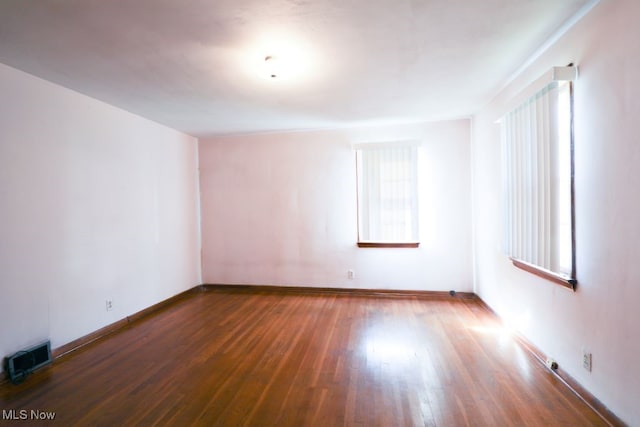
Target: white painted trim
[(569, 23), (384, 144), (553, 75)]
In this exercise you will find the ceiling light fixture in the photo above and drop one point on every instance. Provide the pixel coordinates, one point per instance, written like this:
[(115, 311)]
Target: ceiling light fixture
[(284, 60), (273, 66)]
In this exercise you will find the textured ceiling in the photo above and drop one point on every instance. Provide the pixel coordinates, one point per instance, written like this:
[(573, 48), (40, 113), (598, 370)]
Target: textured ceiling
[(198, 65)]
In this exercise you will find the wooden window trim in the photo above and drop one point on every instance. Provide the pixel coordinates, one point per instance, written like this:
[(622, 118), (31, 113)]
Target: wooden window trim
[(388, 245), (567, 282)]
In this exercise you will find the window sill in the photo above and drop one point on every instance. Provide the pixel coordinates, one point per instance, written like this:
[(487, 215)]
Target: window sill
[(388, 245), (556, 278)]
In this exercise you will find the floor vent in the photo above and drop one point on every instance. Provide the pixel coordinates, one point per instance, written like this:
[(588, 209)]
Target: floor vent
[(24, 362)]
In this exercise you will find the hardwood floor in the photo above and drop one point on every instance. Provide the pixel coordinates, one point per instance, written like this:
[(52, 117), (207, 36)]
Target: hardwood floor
[(262, 357)]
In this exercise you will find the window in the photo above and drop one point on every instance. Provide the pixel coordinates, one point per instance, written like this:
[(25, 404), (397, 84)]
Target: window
[(537, 162), (387, 195)]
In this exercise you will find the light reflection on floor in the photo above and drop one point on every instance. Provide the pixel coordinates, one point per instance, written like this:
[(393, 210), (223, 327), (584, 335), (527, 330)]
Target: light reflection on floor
[(385, 350), (388, 345), (389, 349), (505, 335)]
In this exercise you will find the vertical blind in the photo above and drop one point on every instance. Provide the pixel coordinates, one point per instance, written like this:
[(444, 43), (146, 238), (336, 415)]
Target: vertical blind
[(536, 161), (387, 193)]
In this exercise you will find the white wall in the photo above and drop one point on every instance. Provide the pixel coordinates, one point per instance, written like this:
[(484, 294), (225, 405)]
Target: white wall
[(602, 315), (280, 209), (95, 204)]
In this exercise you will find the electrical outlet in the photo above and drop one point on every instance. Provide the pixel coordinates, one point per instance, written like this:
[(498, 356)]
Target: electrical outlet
[(586, 360), (351, 274), (109, 304)]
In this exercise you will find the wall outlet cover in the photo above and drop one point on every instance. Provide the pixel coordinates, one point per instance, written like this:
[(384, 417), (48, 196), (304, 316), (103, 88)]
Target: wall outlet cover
[(586, 360)]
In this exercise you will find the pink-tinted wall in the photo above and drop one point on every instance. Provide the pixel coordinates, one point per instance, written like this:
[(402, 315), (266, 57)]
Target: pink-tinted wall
[(602, 316), (280, 209), (95, 204)]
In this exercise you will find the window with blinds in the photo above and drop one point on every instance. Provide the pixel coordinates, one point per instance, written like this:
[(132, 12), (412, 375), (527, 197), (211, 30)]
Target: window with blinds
[(387, 195), (537, 162)]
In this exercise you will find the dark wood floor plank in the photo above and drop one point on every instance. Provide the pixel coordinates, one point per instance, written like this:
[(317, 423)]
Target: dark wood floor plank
[(263, 357)]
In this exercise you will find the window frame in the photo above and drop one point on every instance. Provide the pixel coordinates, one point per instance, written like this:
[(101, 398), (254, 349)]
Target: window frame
[(415, 202), (568, 280)]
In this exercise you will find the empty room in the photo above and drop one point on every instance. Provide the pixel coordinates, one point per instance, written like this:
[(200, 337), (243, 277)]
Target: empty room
[(319, 213)]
